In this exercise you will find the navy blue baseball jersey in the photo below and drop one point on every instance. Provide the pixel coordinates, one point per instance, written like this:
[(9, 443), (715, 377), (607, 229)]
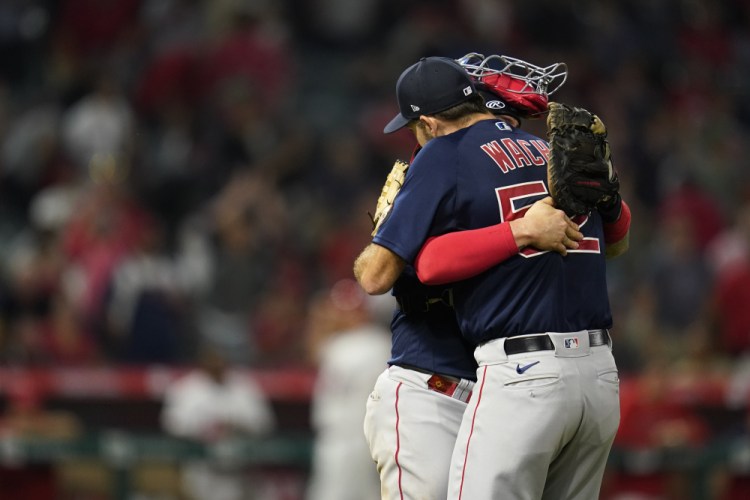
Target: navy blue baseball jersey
[(426, 335), (480, 176)]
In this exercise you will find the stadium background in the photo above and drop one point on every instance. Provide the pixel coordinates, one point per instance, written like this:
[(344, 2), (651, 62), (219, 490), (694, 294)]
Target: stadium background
[(234, 148)]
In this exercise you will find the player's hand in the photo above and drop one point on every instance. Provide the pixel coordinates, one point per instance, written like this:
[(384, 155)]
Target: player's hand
[(544, 227)]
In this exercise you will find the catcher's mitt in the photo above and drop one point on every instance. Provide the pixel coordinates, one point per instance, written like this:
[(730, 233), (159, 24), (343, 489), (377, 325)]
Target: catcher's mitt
[(580, 171), (393, 183)]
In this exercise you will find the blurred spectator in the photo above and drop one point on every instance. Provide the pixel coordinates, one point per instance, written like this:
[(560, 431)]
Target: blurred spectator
[(652, 418), (344, 170), (636, 339), (731, 246), (171, 156), (350, 346), (691, 204), (64, 341), (33, 269), (278, 320), (679, 278), (106, 226), (173, 24), (31, 153), (250, 41), (210, 405), (242, 235), (96, 28), (341, 25), (245, 74), (655, 425), (731, 295), (147, 305), (242, 129), (98, 128), (338, 247)]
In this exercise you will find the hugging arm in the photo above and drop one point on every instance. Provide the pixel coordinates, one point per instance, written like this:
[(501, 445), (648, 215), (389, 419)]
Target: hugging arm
[(377, 268), (463, 254)]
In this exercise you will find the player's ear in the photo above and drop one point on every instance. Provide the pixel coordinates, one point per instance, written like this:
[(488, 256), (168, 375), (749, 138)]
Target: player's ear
[(431, 123)]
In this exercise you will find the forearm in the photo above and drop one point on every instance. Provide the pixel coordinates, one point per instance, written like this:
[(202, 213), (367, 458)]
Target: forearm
[(377, 268), (461, 255)]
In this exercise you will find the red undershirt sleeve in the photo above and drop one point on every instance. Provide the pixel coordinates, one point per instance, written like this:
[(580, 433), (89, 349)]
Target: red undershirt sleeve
[(616, 231), (463, 254)]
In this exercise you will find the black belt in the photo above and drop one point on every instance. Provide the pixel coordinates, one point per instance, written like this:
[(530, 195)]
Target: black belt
[(517, 345), (419, 303)]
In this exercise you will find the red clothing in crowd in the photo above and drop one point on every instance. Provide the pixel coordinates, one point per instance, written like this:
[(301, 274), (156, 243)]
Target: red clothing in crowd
[(732, 307)]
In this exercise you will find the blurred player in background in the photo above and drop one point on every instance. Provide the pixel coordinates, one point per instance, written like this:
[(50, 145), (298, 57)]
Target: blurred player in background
[(416, 407), (349, 342), (209, 405)]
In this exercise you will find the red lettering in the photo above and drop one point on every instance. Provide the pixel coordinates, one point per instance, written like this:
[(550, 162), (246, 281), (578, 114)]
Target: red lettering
[(587, 245), (509, 195), (518, 155), (535, 159), (499, 156)]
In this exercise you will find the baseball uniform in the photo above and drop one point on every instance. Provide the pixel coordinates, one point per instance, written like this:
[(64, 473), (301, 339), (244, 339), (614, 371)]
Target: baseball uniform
[(415, 409), (545, 408)]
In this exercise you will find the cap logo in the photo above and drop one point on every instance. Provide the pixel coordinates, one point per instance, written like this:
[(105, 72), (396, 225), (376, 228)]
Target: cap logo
[(414, 108), (494, 104), (467, 90)]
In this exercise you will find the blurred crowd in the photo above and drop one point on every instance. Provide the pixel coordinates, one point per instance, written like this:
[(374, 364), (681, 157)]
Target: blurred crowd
[(181, 171)]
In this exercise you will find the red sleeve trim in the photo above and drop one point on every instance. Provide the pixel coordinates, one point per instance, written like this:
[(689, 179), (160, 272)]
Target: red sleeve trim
[(617, 230), (463, 254)]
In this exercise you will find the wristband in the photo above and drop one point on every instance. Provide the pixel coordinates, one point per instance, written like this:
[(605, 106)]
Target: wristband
[(616, 231)]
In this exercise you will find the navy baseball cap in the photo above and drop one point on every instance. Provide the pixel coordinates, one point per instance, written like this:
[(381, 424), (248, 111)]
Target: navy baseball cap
[(430, 86)]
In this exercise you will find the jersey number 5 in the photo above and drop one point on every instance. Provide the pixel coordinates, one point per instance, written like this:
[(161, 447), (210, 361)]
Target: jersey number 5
[(515, 200)]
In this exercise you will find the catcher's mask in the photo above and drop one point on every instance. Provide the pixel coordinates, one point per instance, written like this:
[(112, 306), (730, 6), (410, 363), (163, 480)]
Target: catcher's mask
[(522, 86)]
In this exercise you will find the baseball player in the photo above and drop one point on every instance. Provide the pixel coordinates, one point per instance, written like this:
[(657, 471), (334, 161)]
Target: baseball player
[(416, 407), (545, 409), (348, 344)]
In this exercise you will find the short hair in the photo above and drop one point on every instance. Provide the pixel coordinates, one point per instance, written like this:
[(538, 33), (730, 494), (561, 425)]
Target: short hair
[(475, 104)]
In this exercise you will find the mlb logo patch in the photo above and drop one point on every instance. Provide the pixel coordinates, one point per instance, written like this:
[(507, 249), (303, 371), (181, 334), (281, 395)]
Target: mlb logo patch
[(571, 343)]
